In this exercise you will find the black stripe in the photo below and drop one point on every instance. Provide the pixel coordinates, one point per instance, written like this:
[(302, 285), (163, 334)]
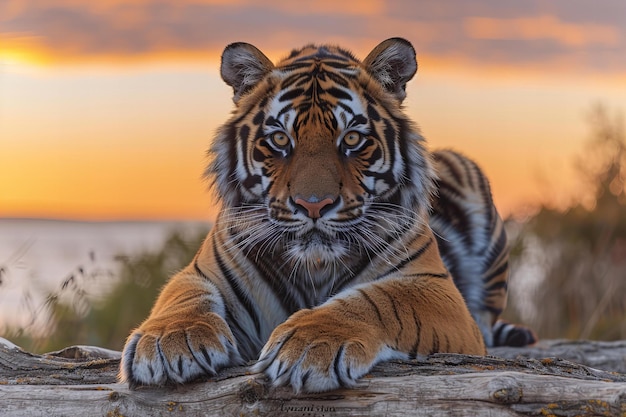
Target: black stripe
[(395, 312), (391, 136), (404, 126), (268, 269), (500, 270), (340, 65), (448, 209), (233, 324), (428, 274), (392, 301), (458, 176), (450, 189), (290, 95), (241, 296), (359, 119), (166, 363), (485, 192), (418, 331), (337, 365), (179, 365), (339, 93), (497, 248), (470, 167), (193, 354), (337, 78), (497, 286), (498, 329), (408, 260), (130, 353), (237, 330), (344, 106), (244, 132), (290, 80), (435, 346), (367, 297), (373, 113), (234, 285), (298, 64), (258, 118), (493, 310)]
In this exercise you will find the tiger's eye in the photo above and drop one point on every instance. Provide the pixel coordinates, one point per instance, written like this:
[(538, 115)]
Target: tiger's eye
[(280, 139), (352, 139)]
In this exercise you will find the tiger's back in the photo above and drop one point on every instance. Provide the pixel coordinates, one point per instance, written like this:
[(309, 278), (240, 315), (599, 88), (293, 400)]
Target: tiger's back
[(322, 261), (471, 238)]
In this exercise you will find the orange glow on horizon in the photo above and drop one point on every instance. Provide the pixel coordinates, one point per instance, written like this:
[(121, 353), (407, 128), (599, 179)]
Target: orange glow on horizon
[(65, 184), (28, 52), (20, 50)]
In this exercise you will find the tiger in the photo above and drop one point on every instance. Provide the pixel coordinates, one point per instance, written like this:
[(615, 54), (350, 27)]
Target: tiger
[(341, 241)]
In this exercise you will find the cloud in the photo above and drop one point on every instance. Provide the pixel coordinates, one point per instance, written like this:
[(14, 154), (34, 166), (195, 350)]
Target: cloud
[(541, 28), (532, 32)]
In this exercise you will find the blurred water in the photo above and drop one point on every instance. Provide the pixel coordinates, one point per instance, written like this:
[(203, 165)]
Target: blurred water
[(39, 257)]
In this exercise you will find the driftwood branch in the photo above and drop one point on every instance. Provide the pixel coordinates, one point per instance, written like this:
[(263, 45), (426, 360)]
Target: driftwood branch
[(82, 381)]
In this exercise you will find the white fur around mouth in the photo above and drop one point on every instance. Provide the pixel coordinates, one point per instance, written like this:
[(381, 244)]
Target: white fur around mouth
[(317, 248)]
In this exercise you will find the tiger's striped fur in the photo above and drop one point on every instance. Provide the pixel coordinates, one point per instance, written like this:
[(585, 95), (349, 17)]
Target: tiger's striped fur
[(322, 262), (473, 245)]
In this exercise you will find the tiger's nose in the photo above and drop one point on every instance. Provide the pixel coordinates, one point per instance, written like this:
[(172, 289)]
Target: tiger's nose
[(314, 208)]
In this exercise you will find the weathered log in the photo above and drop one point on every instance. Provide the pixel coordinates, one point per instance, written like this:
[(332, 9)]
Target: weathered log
[(82, 381), (610, 356)]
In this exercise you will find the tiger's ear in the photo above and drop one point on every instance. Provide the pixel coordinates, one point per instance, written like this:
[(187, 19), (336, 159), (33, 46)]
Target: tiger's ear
[(393, 64), (243, 66)]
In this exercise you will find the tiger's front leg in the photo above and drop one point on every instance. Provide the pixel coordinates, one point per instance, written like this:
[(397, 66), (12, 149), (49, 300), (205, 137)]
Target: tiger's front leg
[(338, 342), (184, 337)]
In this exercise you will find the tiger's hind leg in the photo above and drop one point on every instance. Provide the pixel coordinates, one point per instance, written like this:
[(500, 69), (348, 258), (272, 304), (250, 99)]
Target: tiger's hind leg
[(473, 244)]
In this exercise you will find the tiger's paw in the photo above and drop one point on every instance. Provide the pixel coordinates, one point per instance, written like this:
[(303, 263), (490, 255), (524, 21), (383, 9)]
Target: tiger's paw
[(164, 351), (317, 350)]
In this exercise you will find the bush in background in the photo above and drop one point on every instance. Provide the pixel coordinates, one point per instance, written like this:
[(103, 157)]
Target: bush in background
[(73, 319), (577, 258)]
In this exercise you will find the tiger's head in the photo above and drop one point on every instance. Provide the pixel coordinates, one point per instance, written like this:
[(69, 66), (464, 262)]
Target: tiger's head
[(318, 161)]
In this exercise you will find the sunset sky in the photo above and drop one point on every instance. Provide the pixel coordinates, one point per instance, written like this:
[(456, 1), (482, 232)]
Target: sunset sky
[(107, 107)]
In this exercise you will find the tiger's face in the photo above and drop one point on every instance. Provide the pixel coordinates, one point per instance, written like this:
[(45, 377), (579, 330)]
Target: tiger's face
[(318, 162)]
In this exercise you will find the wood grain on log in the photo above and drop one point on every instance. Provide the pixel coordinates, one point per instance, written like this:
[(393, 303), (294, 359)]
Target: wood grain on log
[(441, 384), (610, 356)]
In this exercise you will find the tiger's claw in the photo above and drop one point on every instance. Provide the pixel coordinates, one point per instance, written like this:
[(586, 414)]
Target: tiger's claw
[(312, 355), (177, 354)]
